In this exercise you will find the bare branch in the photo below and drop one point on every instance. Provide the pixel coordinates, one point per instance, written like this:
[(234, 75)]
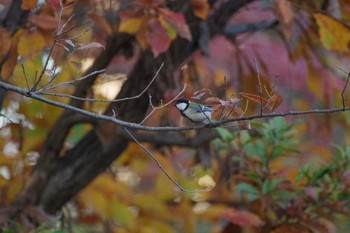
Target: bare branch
[(343, 91), (260, 87), (163, 169), (163, 105), (46, 88), (33, 95)]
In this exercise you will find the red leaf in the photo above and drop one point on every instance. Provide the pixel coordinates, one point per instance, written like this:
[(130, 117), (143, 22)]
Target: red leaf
[(157, 37), (55, 5), (242, 217), (177, 21)]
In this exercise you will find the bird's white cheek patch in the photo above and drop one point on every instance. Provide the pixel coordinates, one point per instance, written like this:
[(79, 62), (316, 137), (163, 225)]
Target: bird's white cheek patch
[(181, 106)]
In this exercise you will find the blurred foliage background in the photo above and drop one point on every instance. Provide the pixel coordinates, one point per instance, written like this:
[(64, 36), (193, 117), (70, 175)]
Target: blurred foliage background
[(280, 175)]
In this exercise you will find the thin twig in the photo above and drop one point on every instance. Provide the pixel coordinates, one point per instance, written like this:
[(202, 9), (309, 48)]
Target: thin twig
[(163, 169), (46, 88), (25, 76), (163, 105), (343, 91), (260, 87), (41, 92)]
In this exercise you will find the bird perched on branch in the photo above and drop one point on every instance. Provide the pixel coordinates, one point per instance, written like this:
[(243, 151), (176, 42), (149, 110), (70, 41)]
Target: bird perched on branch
[(195, 112)]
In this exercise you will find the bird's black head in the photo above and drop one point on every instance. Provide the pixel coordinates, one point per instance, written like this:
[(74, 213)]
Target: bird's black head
[(182, 104)]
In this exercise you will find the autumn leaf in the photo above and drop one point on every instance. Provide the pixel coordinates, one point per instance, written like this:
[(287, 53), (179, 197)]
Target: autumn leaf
[(132, 25), (30, 43), (272, 103), (29, 4), (55, 5), (177, 21), (253, 97), (242, 217), (200, 8), (44, 21), (285, 15), (334, 35), (157, 37)]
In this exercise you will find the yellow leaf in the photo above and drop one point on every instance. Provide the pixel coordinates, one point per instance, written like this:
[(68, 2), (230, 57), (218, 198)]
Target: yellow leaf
[(334, 35), (132, 25), (29, 4), (30, 44)]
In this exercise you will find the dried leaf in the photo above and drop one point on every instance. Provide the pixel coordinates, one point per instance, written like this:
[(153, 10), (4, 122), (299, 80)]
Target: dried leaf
[(274, 101), (242, 217), (253, 97), (334, 35)]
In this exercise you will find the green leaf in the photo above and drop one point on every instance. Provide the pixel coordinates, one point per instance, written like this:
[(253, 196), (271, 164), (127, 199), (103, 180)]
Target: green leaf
[(225, 134), (270, 186)]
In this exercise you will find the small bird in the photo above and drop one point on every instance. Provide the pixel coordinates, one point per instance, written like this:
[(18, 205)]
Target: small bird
[(195, 112)]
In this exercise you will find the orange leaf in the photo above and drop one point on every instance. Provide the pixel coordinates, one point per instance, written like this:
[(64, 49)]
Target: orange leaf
[(285, 15), (254, 98), (242, 217), (29, 4), (274, 101), (200, 8)]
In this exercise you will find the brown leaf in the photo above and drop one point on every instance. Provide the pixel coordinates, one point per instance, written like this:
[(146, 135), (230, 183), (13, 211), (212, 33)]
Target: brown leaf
[(285, 15), (254, 98), (274, 101), (47, 22)]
